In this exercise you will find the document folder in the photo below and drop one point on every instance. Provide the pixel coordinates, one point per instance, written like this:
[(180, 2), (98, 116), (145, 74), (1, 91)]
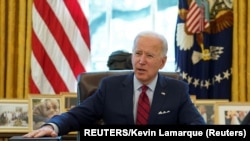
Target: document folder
[(20, 138)]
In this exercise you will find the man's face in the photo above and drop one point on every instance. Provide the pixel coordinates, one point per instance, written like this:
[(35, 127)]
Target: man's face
[(147, 58)]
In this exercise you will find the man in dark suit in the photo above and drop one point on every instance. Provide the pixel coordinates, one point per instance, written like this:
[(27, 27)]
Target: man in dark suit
[(116, 99)]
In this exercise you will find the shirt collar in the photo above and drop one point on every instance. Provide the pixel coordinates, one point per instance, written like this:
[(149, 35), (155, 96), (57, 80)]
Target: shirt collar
[(151, 85)]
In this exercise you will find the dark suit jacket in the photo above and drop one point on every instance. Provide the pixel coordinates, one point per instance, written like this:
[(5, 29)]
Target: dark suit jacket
[(113, 102)]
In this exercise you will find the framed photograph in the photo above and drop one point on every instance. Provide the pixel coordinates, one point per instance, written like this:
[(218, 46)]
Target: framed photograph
[(231, 113), (43, 107), (206, 107), (69, 100), (14, 115), (193, 98)]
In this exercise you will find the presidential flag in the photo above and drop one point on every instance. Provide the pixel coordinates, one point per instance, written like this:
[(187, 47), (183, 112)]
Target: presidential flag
[(60, 45), (203, 47)]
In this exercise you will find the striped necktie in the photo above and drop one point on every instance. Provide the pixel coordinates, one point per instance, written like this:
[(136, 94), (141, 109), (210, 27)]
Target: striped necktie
[(143, 107)]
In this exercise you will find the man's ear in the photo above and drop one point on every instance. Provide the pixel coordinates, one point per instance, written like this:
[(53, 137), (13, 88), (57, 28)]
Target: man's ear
[(163, 62)]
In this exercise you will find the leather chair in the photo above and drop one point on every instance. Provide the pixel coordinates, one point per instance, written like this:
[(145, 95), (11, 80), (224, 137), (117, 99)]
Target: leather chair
[(88, 83)]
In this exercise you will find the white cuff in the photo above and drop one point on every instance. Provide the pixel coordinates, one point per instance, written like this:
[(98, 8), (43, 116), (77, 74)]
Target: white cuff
[(55, 127)]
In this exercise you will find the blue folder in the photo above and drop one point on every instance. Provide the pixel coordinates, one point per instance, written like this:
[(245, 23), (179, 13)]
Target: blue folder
[(20, 138)]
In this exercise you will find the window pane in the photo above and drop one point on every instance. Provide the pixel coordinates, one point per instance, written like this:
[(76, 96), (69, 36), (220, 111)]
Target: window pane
[(115, 23), (165, 22)]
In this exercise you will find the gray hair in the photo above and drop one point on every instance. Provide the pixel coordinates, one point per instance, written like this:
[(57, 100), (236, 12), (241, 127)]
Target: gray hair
[(153, 34)]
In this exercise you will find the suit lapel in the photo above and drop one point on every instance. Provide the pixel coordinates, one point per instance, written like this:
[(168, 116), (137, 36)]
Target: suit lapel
[(159, 99), (127, 95)]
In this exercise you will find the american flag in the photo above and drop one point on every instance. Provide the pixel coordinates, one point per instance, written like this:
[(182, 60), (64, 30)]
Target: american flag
[(60, 45), (196, 20)]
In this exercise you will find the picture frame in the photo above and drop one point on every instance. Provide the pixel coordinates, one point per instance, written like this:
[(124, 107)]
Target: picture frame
[(43, 107), (69, 100), (231, 113), (206, 107), (14, 116), (193, 98)]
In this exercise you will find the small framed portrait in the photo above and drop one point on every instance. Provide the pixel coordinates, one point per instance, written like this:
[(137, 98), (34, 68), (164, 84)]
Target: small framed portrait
[(14, 115), (231, 113), (69, 100), (206, 107), (43, 107), (193, 98)]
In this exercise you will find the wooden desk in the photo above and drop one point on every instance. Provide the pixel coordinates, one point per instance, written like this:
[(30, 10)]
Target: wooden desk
[(69, 137)]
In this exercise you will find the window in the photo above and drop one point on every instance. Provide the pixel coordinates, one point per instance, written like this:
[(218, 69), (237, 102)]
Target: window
[(114, 24)]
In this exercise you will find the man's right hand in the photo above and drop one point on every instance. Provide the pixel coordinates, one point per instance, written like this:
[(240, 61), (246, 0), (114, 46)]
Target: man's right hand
[(46, 130)]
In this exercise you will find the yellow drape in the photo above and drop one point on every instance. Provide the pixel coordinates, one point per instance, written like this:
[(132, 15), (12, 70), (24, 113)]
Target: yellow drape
[(15, 46), (241, 52)]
